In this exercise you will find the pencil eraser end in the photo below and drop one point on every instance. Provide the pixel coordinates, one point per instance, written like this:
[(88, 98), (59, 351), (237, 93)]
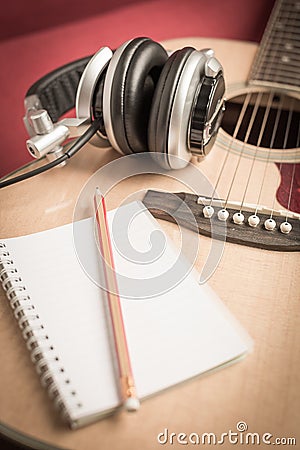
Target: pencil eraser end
[(132, 404)]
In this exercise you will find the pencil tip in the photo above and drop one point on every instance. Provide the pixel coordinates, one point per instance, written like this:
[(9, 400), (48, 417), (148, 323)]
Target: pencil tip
[(98, 192), (132, 404)]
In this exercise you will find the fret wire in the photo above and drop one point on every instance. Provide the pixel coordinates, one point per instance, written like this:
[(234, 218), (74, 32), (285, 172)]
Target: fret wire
[(271, 38), (277, 85), (275, 38), (286, 28), (291, 70), (284, 51), (266, 64), (269, 31), (279, 32), (282, 45), (294, 66), (279, 52), (285, 8), (288, 38), (282, 35), (269, 68), (286, 16), (279, 77), (286, 3), (293, 54), (284, 78), (284, 13), (291, 59), (291, 39), (265, 38)]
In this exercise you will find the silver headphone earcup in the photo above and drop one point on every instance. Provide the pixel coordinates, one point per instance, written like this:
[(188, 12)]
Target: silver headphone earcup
[(107, 113), (180, 118), (90, 77), (128, 92), (172, 106)]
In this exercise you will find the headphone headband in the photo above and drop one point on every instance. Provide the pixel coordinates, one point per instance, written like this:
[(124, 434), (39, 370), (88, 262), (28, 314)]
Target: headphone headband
[(141, 99), (56, 91)]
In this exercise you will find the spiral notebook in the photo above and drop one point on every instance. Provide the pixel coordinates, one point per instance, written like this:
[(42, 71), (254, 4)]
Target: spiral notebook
[(62, 314)]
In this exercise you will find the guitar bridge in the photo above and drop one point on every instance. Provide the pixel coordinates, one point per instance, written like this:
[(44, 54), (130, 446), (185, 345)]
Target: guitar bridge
[(173, 208)]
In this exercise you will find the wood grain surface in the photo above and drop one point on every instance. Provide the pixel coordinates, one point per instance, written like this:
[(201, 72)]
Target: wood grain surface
[(261, 288)]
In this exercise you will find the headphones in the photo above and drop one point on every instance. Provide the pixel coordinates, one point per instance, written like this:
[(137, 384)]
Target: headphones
[(137, 98)]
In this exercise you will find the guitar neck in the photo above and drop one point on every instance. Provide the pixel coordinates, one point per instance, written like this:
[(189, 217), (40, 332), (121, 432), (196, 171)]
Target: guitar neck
[(277, 63)]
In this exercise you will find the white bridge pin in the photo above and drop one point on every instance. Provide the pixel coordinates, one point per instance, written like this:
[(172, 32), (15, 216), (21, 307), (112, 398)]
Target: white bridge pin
[(285, 227), (223, 215), (253, 220), (208, 211), (238, 218), (270, 224)]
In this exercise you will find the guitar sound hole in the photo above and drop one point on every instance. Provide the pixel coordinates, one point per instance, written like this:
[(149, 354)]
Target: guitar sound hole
[(281, 116)]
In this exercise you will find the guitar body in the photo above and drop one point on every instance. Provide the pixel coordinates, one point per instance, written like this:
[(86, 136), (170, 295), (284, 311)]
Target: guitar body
[(260, 287)]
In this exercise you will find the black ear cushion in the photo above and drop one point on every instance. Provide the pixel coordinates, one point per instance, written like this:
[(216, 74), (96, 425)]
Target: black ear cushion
[(161, 108), (133, 85)]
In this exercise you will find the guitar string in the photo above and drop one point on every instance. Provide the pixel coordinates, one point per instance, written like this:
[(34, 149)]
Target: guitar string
[(260, 68), (273, 54), (287, 46), (271, 144), (245, 141), (277, 40), (286, 135), (290, 114), (282, 71), (293, 174), (282, 50), (269, 44), (261, 133), (235, 133)]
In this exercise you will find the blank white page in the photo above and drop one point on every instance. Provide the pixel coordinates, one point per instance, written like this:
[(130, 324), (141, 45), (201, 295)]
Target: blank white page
[(171, 337)]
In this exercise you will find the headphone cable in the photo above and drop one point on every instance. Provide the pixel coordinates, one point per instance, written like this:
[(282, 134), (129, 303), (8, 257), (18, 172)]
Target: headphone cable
[(75, 147)]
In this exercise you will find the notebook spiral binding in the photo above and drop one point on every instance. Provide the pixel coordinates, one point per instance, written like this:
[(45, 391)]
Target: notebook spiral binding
[(43, 355)]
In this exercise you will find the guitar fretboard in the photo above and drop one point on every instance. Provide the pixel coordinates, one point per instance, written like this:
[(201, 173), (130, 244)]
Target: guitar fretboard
[(277, 62)]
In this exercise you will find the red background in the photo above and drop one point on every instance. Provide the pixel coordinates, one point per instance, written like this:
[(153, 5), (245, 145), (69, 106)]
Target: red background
[(36, 37)]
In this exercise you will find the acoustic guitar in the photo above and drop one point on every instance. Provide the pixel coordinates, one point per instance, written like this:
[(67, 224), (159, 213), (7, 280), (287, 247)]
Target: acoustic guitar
[(255, 166), (254, 173)]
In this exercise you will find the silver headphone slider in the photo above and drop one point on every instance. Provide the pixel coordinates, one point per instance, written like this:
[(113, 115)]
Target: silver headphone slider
[(40, 145)]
